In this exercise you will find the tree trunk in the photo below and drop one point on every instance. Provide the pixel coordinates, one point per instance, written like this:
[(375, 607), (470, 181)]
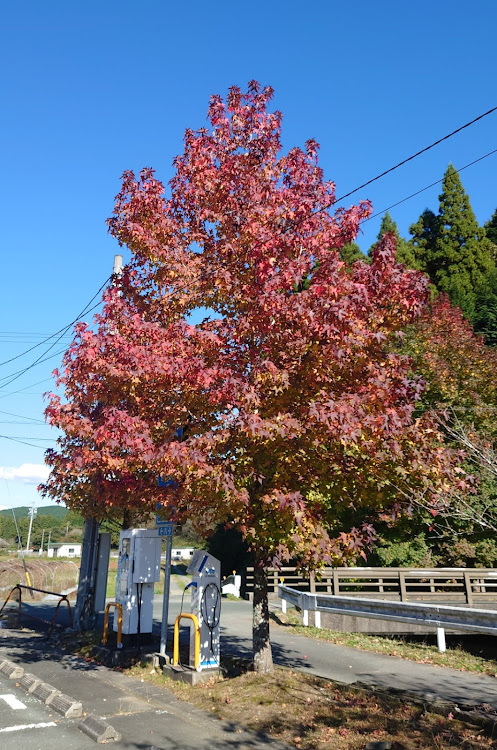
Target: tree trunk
[(263, 657)]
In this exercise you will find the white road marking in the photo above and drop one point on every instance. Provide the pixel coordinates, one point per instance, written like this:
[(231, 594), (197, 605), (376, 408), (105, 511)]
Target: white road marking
[(18, 728), (12, 701)]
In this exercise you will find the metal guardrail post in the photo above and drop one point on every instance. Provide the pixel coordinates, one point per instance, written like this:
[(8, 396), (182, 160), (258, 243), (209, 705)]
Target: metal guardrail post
[(186, 616), (402, 583), (468, 588), (441, 640)]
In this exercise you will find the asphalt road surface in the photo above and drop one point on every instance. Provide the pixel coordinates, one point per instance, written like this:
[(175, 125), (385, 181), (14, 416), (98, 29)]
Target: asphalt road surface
[(25, 722)]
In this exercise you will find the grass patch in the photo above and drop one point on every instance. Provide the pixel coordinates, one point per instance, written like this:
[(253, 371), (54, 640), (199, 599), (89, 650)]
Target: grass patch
[(465, 653), (309, 712)]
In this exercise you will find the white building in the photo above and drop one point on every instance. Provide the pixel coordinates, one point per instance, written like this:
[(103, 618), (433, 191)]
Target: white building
[(66, 549), (182, 553)]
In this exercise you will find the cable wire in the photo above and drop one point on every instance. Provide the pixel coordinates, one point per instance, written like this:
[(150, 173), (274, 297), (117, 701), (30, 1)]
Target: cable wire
[(23, 442), (39, 382), (61, 331), (292, 225), (418, 192), (21, 416), (42, 358), (418, 153)]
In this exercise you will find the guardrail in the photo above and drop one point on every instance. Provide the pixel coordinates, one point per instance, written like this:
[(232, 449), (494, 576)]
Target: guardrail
[(439, 616), (445, 585)]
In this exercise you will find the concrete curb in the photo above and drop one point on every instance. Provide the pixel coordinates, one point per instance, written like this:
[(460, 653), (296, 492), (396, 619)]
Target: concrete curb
[(68, 707), (99, 730), (45, 692), (11, 670), (29, 682)]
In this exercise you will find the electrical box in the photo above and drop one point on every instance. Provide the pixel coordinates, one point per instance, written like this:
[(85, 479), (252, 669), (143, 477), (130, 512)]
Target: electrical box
[(138, 568), (206, 606)]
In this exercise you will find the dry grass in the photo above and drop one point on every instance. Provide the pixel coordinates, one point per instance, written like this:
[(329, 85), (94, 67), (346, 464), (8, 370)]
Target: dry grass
[(50, 575), (464, 653), (309, 712)]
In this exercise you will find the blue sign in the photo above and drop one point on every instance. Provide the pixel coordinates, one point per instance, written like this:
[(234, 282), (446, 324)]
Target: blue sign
[(166, 482), (159, 521), (166, 529)]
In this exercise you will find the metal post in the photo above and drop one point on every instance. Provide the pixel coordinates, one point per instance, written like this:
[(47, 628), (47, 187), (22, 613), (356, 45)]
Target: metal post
[(84, 611), (165, 600), (441, 640)]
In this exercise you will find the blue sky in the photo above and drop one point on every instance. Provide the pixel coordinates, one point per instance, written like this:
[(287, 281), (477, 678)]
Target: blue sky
[(91, 89)]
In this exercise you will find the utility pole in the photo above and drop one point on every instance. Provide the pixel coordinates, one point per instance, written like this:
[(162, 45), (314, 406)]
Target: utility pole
[(84, 611), (42, 540), (32, 514)]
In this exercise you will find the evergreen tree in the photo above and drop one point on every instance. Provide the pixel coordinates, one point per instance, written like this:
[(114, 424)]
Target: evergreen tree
[(485, 317), (404, 252), (351, 252), (424, 233), (459, 261), (491, 230)]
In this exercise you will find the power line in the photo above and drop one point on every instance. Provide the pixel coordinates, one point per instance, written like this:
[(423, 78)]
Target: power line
[(14, 421), (30, 437), (42, 358), (24, 342), (62, 331), (21, 390), (23, 442), (21, 416), (292, 225), (39, 361), (418, 153), (418, 192)]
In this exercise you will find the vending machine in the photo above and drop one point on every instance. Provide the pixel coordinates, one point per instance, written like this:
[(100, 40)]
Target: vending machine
[(138, 568), (206, 606)]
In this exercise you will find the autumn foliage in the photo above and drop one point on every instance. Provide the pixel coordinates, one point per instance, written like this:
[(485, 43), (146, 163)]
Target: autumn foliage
[(236, 320)]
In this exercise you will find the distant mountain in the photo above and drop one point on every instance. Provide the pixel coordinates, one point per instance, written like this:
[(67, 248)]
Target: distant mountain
[(56, 511)]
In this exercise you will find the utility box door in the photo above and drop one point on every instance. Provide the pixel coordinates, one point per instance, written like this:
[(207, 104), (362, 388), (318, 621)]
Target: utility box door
[(146, 559)]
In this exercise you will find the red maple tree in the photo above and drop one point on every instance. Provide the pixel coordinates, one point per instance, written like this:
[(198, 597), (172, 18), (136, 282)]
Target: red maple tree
[(296, 409)]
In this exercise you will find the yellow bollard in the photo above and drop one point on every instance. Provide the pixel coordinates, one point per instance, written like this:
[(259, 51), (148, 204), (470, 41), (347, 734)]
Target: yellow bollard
[(119, 623), (186, 616)]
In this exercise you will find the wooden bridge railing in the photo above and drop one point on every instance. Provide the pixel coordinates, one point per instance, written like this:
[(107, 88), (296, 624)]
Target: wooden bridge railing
[(471, 586)]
